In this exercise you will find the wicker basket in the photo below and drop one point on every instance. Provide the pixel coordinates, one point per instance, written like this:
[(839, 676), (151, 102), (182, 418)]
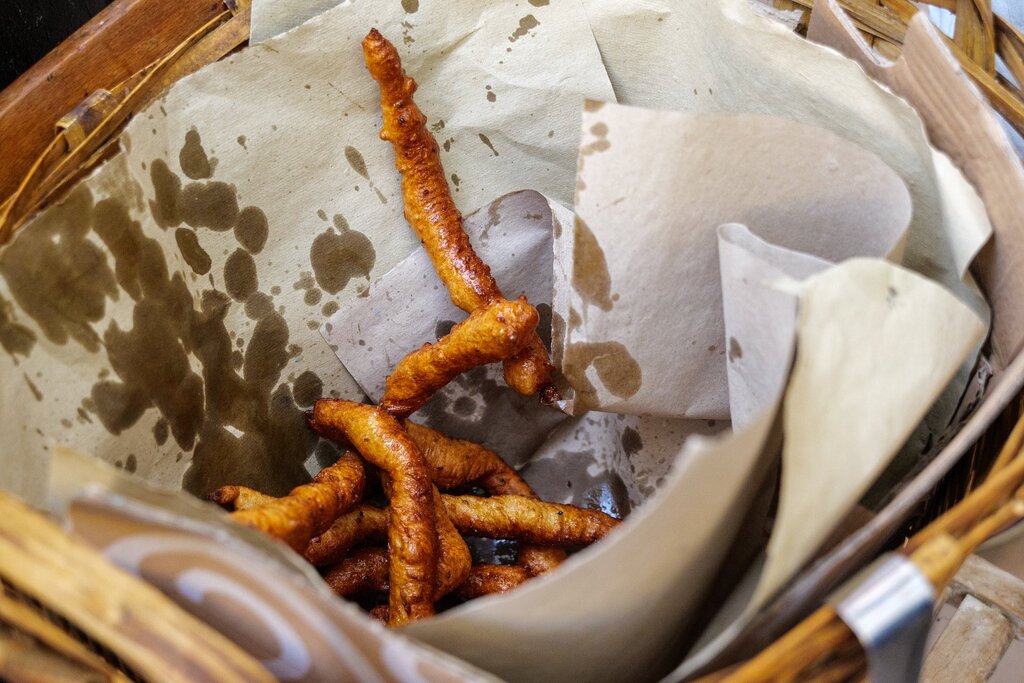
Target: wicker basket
[(972, 490)]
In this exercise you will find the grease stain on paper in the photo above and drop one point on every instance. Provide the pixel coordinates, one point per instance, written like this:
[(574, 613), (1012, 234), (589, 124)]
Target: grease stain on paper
[(590, 276), (195, 256), (337, 257), (487, 141), (616, 368), (193, 159), (526, 24)]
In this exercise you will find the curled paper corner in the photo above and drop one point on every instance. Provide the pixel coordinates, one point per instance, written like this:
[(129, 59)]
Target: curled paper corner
[(635, 232)]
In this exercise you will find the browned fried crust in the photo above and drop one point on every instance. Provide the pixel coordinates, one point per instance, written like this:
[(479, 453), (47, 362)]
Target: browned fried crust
[(310, 509), (526, 519), (488, 579), (365, 571), (365, 523), (455, 463), (454, 559), (237, 498), (432, 213), (511, 517), (488, 335), (412, 536)]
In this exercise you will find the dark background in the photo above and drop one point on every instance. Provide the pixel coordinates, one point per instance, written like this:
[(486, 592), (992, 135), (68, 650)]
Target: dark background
[(31, 28)]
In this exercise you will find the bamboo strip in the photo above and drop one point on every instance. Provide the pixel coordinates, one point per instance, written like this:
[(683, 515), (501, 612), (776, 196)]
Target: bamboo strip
[(152, 635)]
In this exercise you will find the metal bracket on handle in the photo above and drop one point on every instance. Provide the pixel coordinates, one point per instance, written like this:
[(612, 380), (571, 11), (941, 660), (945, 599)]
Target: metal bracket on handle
[(889, 609)]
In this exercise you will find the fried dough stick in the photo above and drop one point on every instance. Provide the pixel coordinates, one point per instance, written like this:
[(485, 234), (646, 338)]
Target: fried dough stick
[(488, 579), (432, 213), (513, 517), (310, 509), (488, 335), (412, 532), (456, 462), (366, 572)]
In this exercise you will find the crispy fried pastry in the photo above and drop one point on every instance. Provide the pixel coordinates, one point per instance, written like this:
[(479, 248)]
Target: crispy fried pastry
[(365, 523), (455, 462), (488, 335), (528, 520), (511, 517), (310, 509), (412, 536), (432, 213), (454, 559), (347, 577), (487, 579), (238, 498), (365, 571)]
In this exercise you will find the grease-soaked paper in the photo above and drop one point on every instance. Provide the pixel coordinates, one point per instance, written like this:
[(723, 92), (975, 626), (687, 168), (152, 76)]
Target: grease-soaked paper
[(961, 123), (721, 56), (164, 315), (876, 345), (652, 189)]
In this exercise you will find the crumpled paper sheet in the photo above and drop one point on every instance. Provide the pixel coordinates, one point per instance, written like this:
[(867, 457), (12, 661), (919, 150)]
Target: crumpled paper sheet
[(652, 187), (961, 123), (722, 57), (164, 315)]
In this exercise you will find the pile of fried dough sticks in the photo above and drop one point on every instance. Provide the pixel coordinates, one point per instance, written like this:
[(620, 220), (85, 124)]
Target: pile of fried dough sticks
[(413, 550)]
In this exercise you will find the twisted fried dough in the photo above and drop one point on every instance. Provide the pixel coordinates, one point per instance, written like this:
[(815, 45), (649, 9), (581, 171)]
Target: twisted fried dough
[(512, 517), (487, 579), (432, 213), (310, 509), (238, 498), (455, 462), (488, 335), (412, 535), (365, 523), (529, 520), (364, 571), (454, 559)]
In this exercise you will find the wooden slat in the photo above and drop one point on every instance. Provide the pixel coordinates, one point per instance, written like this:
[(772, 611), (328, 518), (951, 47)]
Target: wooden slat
[(118, 42), (970, 648), (975, 34), (24, 619), (151, 634), (993, 586)]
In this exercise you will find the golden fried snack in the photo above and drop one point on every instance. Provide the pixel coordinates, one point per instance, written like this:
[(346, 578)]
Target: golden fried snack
[(456, 462), (528, 520), (453, 558), (365, 523), (432, 213), (488, 335), (487, 579), (412, 533), (365, 571), (237, 498), (509, 517), (310, 509)]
